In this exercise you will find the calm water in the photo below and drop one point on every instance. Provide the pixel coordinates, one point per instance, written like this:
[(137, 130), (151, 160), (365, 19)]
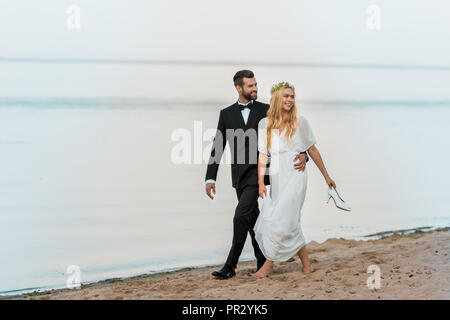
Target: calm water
[(93, 184)]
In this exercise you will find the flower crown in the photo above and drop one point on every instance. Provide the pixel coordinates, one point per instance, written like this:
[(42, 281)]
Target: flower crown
[(280, 85)]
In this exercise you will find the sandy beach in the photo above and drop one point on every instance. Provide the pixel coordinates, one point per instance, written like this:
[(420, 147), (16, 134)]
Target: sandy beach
[(412, 266)]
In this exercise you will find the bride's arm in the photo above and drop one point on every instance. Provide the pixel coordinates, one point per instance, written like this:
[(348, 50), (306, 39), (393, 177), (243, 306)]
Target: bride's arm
[(262, 163), (315, 155)]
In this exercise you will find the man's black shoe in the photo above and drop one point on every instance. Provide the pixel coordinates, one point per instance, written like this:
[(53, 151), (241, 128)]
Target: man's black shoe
[(224, 273)]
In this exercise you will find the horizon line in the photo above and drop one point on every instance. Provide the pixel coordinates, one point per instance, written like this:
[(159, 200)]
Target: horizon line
[(139, 100), (226, 63)]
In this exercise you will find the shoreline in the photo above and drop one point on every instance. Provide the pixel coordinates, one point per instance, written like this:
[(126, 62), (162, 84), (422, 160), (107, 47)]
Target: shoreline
[(168, 284), (37, 290)]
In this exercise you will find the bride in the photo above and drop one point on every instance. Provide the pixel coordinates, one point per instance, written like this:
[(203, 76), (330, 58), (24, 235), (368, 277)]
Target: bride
[(281, 135)]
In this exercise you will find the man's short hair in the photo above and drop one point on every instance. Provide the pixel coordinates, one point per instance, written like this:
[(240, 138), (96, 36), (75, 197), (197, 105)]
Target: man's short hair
[(238, 78)]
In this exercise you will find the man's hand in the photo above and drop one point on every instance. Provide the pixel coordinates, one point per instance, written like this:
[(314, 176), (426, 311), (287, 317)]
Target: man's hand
[(209, 187), (300, 166)]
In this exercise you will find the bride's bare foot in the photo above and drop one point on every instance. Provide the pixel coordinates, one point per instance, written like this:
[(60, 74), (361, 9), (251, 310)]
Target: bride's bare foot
[(308, 269), (265, 270)]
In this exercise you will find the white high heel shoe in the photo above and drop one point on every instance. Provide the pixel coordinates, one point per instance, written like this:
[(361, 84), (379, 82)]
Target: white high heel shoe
[(338, 201)]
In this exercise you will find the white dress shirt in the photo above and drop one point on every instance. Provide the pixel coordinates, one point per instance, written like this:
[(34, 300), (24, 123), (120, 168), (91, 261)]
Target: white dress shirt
[(245, 113)]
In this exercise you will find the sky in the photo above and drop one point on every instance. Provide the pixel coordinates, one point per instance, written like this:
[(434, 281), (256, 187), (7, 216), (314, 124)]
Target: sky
[(229, 35)]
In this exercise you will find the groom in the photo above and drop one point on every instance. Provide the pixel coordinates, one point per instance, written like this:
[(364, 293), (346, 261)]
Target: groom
[(238, 124)]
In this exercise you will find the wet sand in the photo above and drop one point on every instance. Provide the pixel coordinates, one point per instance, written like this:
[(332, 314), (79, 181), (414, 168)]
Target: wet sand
[(412, 266)]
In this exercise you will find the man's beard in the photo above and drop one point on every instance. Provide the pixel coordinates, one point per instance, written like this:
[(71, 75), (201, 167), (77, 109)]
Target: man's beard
[(248, 96)]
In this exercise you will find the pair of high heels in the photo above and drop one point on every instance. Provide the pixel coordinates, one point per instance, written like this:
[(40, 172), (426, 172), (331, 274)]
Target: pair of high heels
[(338, 201)]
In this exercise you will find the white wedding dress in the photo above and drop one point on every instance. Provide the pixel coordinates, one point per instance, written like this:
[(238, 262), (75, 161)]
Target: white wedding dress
[(277, 229)]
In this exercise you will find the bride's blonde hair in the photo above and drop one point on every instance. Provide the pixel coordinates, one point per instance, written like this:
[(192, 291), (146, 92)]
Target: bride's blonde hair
[(274, 114)]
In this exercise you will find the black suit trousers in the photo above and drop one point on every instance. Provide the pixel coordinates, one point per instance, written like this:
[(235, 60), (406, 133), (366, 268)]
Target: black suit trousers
[(244, 220)]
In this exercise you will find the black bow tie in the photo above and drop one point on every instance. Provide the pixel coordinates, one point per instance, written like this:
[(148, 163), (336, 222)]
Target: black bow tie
[(249, 105)]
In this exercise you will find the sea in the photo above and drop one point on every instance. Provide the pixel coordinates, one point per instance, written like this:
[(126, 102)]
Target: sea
[(114, 187)]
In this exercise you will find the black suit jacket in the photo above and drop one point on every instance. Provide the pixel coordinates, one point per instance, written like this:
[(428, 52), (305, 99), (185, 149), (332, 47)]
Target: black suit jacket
[(244, 150)]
